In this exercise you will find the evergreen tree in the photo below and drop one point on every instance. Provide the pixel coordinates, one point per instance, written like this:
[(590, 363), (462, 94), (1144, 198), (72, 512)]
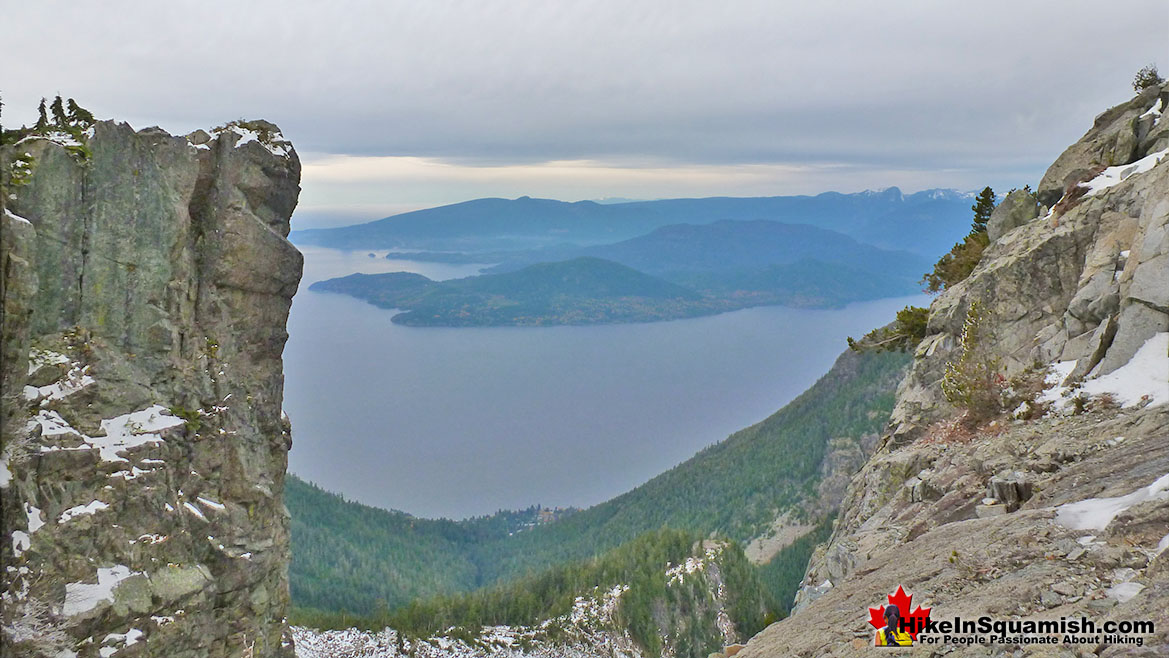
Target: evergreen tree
[(1147, 77), (983, 207), (79, 115), (959, 263), (42, 118), (58, 110)]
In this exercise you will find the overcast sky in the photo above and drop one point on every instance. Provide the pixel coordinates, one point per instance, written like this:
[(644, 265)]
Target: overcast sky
[(400, 105)]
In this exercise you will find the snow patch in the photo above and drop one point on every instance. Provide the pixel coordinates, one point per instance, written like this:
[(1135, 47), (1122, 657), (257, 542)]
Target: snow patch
[(1144, 377), (52, 424), (1124, 591), (5, 473), (132, 430), (35, 519), (83, 597), (211, 503), (1115, 175), (274, 141), (20, 542), (15, 217), (1097, 513), (125, 639), (194, 510), (81, 510), (1155, 110)]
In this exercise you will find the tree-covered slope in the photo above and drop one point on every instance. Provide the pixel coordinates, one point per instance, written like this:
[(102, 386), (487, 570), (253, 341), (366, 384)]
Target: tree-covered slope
[(578, 291), (348, 556)]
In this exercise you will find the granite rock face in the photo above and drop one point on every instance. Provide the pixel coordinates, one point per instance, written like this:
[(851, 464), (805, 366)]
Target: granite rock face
[(145, 289), (1059, 508), (1086, 282)]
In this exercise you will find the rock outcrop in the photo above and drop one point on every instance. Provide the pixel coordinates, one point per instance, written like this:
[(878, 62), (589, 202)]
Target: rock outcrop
[(146, 283), (1059, 508)]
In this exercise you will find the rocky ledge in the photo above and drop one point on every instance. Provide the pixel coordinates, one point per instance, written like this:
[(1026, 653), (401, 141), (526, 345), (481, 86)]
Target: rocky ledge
[(146, 281), (1056, 509)]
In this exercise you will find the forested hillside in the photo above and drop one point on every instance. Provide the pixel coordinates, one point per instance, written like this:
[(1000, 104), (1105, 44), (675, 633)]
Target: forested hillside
[(348, 556)]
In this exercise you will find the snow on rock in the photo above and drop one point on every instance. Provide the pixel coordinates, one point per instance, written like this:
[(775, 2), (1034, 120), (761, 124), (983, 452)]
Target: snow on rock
[(38, 358), (81, 510), (125, 639), (1145, 375), (56, 136), (1155, 110), (1115, 175), (35, 519), (1144, 379), (132, 430), (211, 503), (52, 424), (83, 597), (1097, 513), (20, 542), (194, 510), (273, 141), (677, 574), (15, 217)]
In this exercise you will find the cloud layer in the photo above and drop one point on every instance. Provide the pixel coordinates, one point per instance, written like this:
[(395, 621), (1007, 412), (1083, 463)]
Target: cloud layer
[(991, 89)]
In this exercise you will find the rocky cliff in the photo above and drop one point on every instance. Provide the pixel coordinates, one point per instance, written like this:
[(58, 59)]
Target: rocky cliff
[(1057, 507), (145, 282)]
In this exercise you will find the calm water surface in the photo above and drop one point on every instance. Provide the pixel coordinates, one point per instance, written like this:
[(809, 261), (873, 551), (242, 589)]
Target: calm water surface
[(461, 422)]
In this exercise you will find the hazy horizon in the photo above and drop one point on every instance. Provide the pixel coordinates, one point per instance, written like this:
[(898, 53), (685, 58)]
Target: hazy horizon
[(398, 106)]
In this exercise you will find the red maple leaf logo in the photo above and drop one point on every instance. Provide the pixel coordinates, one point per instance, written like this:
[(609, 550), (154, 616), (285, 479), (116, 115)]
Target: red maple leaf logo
[(911, 622)]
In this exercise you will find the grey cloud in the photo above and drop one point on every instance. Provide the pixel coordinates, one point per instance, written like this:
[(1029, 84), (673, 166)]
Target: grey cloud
[(923, 84)]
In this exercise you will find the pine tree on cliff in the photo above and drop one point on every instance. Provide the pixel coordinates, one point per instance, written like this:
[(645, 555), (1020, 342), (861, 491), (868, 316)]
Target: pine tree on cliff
[(58, 110), (42, 118), (959, 263), (983, 207), (79, 115)]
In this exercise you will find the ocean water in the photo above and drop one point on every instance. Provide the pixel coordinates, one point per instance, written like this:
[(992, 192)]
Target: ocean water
[(446, 422)]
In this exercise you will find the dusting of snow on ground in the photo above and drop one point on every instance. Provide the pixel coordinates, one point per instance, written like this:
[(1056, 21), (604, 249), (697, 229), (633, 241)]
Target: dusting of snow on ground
[(1097, 513), (1115, 175), (55, 136), (38, 358), (588, 625), (677, 574), (83, 597), (76, 379), (275, 142)]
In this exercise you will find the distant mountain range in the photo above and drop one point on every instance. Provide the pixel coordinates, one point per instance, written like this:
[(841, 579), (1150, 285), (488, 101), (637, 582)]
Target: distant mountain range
[(927, 222), (730, 246)]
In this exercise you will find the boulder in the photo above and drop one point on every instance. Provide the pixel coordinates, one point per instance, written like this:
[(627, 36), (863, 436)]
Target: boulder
[(1018, 208)]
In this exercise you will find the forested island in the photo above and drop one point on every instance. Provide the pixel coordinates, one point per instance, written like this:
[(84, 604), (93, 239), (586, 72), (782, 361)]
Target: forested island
[(674, 272)]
